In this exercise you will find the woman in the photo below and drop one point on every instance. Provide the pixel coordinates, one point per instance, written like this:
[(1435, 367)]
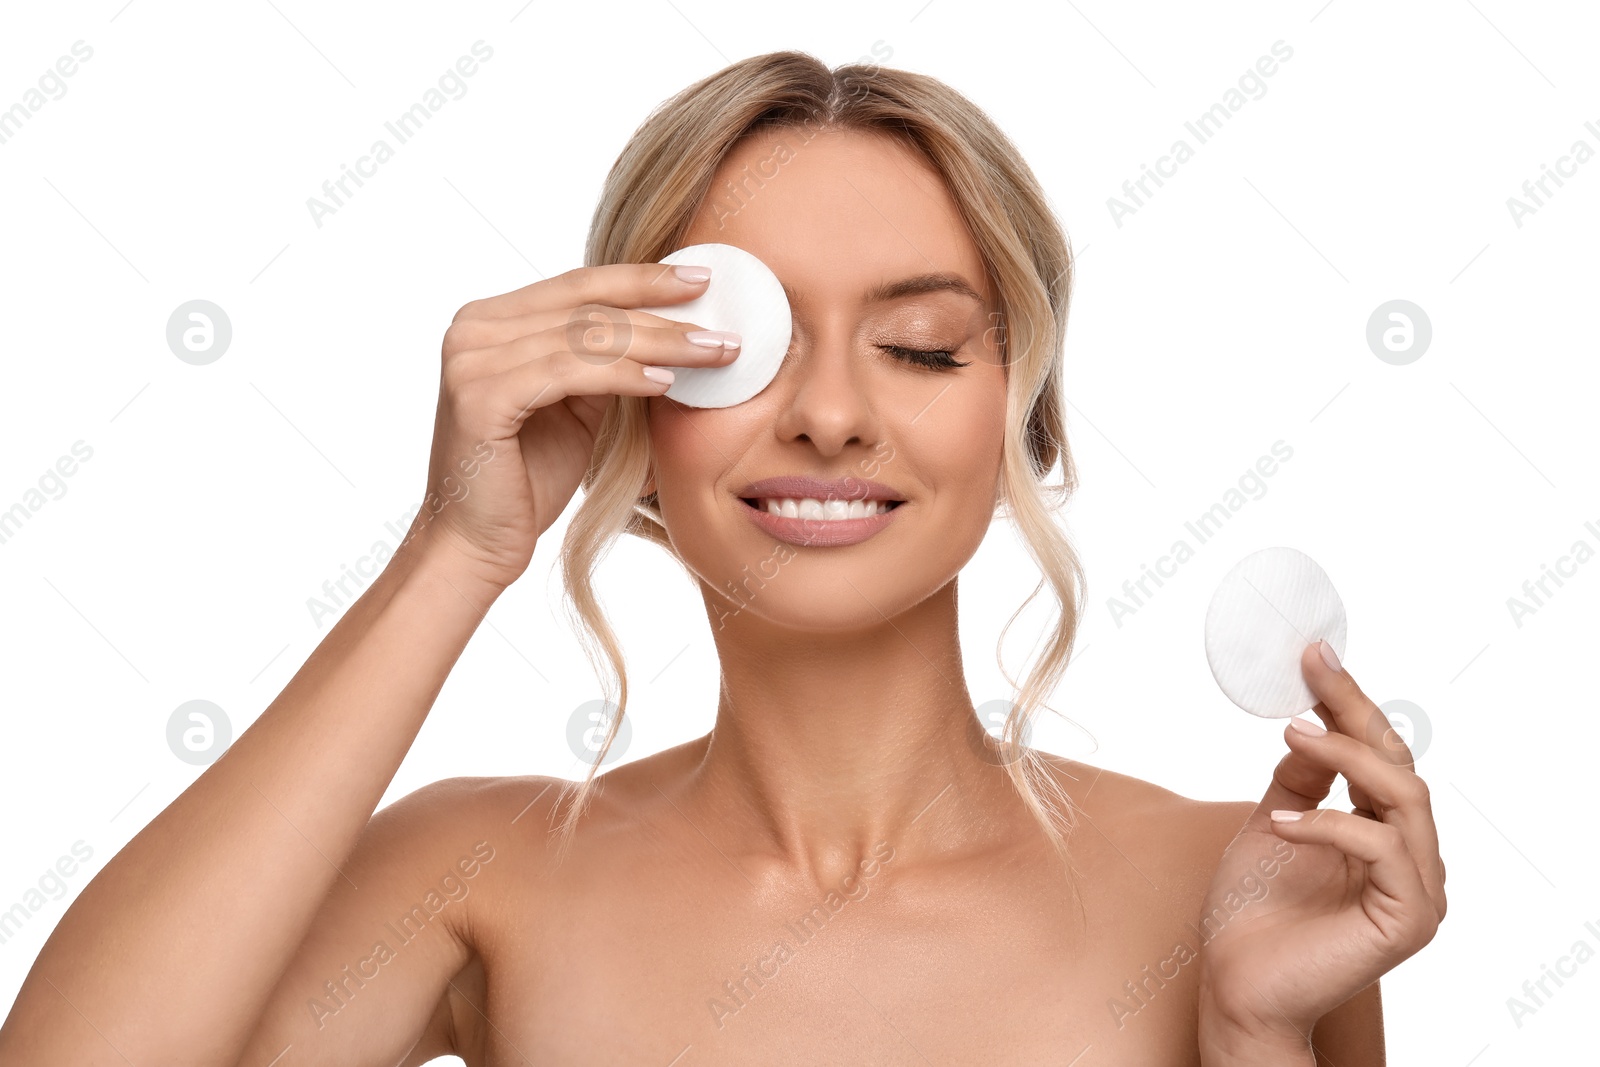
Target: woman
[(847, 868)]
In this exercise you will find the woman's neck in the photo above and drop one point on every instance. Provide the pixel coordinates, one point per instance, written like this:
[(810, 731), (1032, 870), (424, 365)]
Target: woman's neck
[(828, 744)]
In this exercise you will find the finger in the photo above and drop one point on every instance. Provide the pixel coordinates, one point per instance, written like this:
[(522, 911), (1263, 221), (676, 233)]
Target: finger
[(1397, 796), (1297, 783), (1351, 711), (622, 285), (495, 407), (471, 332), (598, 341), (1361, 804), (1373, 726), (1408, 918)]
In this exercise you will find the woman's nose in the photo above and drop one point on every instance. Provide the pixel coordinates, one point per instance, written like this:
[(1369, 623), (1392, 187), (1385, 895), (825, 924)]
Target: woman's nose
[(826, 400)]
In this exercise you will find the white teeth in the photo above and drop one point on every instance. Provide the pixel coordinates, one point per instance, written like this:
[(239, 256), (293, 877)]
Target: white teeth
[(824, 510)]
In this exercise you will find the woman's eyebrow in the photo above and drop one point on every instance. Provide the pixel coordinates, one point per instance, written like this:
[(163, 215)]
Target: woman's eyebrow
[(916, 285)]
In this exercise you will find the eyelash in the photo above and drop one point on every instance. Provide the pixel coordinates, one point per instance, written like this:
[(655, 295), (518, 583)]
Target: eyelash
[(935, 359)]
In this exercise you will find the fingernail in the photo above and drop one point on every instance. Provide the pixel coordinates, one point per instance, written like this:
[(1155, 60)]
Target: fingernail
[(1286, 816), (692, 274), (1328, 656), (714, 338), (1307, 727), (659, 374)]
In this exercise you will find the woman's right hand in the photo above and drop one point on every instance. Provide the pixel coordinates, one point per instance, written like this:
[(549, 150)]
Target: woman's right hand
[(527, 377)]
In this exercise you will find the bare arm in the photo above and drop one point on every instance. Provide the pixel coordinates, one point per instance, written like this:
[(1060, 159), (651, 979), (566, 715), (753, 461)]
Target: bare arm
[(1351, 1035), (391, 969), (172, 952), (169, 954)]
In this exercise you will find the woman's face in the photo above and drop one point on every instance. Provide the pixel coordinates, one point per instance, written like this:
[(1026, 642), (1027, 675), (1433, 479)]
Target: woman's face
[(836, 217)]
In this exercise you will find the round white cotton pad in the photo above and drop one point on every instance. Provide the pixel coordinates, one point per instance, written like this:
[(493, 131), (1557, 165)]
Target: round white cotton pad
[(744, 296), (1269, 607)]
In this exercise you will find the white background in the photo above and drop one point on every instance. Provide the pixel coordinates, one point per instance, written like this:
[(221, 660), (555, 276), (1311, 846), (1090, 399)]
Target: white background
[(1227, 313)]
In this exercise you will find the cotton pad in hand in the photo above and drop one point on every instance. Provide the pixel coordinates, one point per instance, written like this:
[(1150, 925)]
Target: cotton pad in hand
[(1269, 607), (743, 296)]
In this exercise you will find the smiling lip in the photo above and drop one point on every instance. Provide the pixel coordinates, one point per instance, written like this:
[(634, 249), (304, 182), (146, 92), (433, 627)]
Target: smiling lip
[(819, 532), (799, 486)]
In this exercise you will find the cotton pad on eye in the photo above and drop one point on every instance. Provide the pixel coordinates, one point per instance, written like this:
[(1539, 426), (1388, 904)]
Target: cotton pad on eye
[(743, 296), (1268, 608)]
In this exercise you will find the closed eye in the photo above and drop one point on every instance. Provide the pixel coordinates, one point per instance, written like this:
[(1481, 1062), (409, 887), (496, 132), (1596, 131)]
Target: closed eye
[(935, 358)]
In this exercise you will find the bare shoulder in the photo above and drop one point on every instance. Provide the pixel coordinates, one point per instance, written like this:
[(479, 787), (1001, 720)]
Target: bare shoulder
[(1109, 796), (1172, 832), (411, 901), (484, 843), (444, 814), (519, 820), (505, 820)]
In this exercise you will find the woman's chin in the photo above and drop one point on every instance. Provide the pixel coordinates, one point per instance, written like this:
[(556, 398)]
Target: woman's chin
[(818, 595)]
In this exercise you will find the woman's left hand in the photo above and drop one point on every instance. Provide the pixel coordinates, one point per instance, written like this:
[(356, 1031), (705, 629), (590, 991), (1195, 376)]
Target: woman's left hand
[(1358, 892)]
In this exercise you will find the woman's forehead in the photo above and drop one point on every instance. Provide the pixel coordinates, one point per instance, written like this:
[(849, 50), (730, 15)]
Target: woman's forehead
[(841, 215)]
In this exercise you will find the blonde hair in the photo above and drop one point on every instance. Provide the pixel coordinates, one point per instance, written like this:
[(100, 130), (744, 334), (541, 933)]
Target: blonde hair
[(648, 203)]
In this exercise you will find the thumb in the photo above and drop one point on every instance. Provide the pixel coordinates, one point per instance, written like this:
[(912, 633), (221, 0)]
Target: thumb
[(1297, 785)]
